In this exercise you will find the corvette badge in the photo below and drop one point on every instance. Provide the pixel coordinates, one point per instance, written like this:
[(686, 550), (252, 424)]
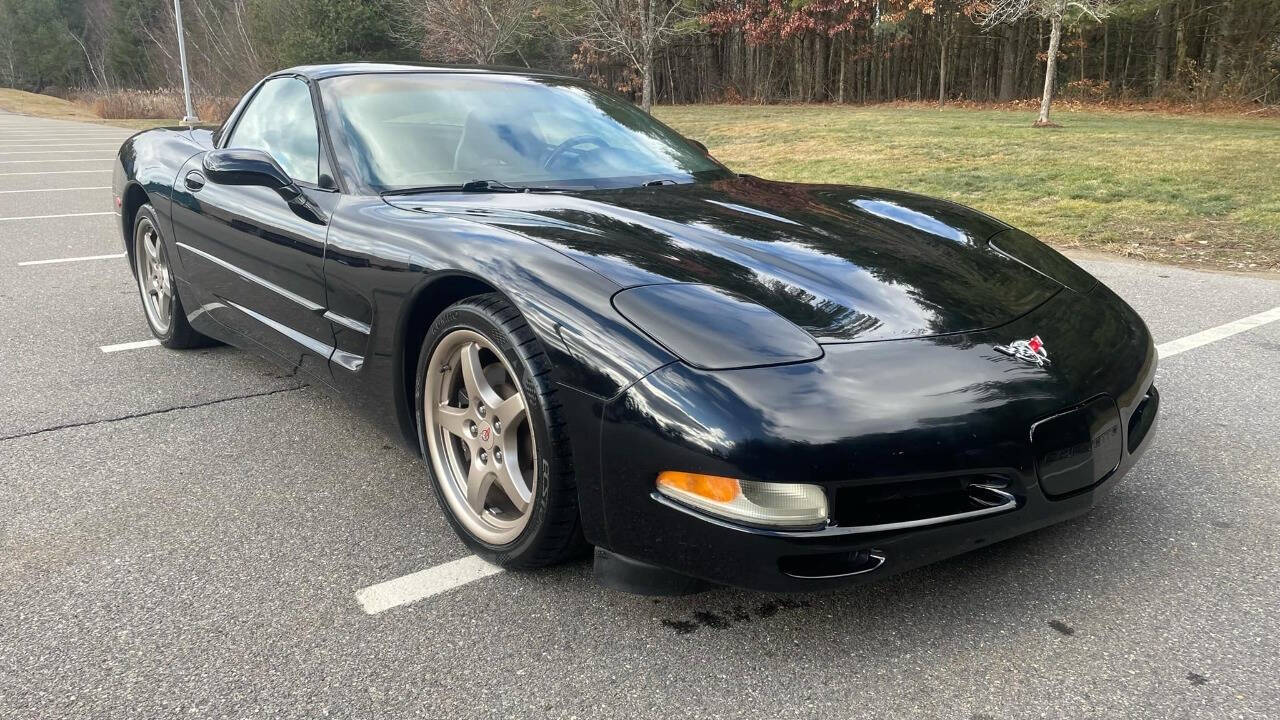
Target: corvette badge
[(1031, 351)]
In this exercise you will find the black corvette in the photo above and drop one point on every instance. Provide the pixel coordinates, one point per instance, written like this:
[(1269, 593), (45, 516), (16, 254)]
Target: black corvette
[(597, 335)]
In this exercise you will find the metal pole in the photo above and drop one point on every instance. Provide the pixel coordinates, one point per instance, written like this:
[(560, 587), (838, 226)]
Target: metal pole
[(191, 118)]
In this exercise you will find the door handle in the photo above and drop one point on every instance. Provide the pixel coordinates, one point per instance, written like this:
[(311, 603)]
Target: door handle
[(194, 181)]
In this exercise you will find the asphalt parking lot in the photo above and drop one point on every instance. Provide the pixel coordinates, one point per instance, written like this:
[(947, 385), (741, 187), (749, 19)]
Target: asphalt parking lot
[(192, 533)]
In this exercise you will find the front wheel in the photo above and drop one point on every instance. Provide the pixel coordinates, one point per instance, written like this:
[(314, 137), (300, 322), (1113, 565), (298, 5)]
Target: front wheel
[(160, 301), (493, 436)]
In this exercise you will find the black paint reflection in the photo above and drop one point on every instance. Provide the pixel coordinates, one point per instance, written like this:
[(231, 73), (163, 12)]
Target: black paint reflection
[(845, 264), (875, 410)]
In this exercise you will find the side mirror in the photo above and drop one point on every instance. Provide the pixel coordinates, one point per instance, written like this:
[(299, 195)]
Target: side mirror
[(240, 166), (700, 146)]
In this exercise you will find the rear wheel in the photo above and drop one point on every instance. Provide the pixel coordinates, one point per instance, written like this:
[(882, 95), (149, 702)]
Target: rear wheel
[(160, 301), (493, 437)]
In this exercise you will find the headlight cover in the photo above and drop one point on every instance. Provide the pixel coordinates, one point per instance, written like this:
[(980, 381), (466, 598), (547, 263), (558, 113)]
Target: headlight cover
[(780, 505), (712, 329), (1043, 259)]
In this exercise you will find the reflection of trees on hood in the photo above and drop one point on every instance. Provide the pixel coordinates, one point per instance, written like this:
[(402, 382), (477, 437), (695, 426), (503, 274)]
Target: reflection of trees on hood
[(663, 249), (938, 271), (815, 254)]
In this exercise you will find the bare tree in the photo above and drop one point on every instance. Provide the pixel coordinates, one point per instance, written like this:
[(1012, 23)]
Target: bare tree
[(632, 30), (91, 37), (478, 31), (946, 33), (224, 55), (1055, 11), (8, 56)]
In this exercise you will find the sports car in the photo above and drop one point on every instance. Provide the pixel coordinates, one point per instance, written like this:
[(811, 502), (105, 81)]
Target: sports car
[(596, 335)]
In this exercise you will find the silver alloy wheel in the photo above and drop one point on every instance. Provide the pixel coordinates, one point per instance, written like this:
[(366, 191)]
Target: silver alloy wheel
[(479, 436), (154, 281)]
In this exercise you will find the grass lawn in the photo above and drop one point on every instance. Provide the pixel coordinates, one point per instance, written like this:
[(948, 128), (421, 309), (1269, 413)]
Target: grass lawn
[(1191, 189), (47, 106)]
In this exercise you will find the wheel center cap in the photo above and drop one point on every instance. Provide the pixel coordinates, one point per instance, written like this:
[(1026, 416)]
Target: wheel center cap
[(485, 433)]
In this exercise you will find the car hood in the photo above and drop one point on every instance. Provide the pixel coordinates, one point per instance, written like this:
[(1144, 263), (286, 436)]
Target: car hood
[(846, 264)]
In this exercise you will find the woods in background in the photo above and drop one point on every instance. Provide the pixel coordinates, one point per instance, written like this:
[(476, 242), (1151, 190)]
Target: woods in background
[(677, 51)]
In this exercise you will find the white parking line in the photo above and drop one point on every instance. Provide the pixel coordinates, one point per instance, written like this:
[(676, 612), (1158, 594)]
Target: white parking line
[(1213, 334), (423, 584), (60, 215), (58, 172), (15, 162), (106, 141), (47, 152), (130, 346), (70, 259), (43, 137), (96, 187), (451, 575)]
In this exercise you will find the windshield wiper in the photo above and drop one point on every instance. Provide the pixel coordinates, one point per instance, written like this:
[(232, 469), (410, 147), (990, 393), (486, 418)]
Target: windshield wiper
[(495, 186), (488, 186), (469, 186)]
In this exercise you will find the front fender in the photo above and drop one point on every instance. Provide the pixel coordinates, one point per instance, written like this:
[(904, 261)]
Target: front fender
[(145, 170), (379, 258), (383, 263)]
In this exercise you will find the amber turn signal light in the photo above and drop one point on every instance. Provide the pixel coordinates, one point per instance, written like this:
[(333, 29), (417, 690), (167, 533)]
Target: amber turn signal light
[(711, 487)]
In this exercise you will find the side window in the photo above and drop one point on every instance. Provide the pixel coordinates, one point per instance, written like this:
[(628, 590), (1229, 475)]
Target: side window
[(281, 121)]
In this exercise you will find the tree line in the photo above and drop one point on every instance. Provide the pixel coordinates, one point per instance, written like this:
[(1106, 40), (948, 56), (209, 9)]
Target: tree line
[(679, 51)]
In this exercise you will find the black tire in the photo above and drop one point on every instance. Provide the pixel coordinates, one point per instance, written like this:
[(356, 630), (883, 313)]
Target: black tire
[(553, 533), (178, 334)]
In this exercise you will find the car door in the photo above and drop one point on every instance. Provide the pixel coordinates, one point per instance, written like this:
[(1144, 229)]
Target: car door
[(255, 261)]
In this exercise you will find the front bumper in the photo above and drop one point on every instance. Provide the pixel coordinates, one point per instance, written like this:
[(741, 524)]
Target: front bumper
[(867, 417)]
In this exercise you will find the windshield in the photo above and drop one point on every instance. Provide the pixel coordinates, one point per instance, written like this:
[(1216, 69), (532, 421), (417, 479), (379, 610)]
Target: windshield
[(401, 131)]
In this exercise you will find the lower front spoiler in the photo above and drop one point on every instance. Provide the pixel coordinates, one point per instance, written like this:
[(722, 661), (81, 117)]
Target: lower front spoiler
[(634, 576), (723, 554)]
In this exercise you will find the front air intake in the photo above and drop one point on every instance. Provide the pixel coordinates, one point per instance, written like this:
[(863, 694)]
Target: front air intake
[(831, 565), (920, 502)]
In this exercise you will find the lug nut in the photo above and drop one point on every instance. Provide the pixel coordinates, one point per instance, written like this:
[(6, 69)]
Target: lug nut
[(480, 409), (497, 455), (471, 428), (497, 425), (484, 457)]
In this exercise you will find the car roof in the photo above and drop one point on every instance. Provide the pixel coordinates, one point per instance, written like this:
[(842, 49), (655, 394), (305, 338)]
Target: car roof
[(328, 70)]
